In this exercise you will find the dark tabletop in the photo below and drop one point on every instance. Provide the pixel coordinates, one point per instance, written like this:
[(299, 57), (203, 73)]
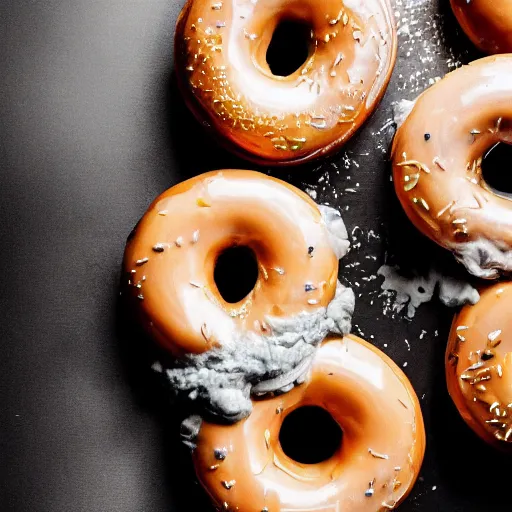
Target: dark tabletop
[(92, 128)]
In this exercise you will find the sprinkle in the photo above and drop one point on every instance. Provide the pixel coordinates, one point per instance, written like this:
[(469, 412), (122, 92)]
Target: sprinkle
[(459, 221), (194, 284), (493, 406), (217, 6), (310, 251), (279, 270), (201, 202), (369, 492), (205, 332), (319, 123), (141, 262), (195, 236), (397, 468), (402, 403), (415, 163), (309, 287), (179, 241), (338, 59), (312, 302), (499, 369), (220, 453), (487, 355), (140, 296), (462, 327), (163, 213), (214, 467), (279, 409), (434, 487), (493, 336), (378, 455), (427, 136), (227, 485), (439, 164), (264, 509), (225, 505), (221, 24), (159, 248)]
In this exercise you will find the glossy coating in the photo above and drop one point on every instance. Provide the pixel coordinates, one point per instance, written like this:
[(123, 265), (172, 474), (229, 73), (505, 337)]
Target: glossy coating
[(220, 56), (438, 150), (382, 447), (170, 258), (488, 23), (479, 365)]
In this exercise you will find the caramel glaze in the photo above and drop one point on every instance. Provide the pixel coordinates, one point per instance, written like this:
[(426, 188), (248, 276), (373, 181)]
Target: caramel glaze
[(488, 23), (479, 365), (437, 155), (382, 448), (222, 70), (170, 258)]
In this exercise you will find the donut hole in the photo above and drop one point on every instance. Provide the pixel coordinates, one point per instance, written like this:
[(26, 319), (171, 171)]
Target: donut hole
[(235, 273), (289, 47), (495, 168), (310, 435)]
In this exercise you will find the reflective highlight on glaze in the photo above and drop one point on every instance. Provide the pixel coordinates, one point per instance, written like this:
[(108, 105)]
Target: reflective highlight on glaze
[(382, 448), (169, 260), (437, 155), (479, 365), (488, 23), (222, 70)]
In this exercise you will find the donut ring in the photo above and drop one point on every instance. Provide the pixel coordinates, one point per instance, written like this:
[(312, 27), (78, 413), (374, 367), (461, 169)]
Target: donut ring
[(265, 342), (488, 23), (479, 365), (221, 68), (243, 467), (437, 155)]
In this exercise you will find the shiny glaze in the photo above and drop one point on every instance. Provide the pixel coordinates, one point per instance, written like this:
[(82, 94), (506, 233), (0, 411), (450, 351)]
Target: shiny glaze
[(439, 180), (174, 291), (222, 70), (479, 365), (383, 439), (488, 23)]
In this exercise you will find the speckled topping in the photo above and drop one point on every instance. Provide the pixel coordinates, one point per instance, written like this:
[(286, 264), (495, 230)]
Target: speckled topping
[(479, 365), (222, 69), (437, 157)]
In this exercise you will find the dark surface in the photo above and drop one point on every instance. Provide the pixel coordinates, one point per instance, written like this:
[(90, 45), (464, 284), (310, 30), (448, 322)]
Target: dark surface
[(91, 130)]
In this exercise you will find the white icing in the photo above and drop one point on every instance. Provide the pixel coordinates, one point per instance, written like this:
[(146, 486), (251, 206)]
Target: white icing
[(338, 236), (412, 292), (484, 258), (222, 379)]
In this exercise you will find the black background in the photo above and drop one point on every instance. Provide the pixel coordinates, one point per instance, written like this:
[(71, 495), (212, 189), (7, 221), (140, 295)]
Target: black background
[(92, 128)]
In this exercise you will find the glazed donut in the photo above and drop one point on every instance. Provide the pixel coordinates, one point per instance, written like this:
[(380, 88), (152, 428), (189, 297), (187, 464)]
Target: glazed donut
[(437, 155), (488, 23), (479, 365), (224, 351), (221, 68), (243, 467)]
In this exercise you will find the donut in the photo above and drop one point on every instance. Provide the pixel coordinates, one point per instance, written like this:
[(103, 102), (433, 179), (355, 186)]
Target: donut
[(488, 23), (479, 365), (244, 467), (437, 164), (222, 70), (225, 348)]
